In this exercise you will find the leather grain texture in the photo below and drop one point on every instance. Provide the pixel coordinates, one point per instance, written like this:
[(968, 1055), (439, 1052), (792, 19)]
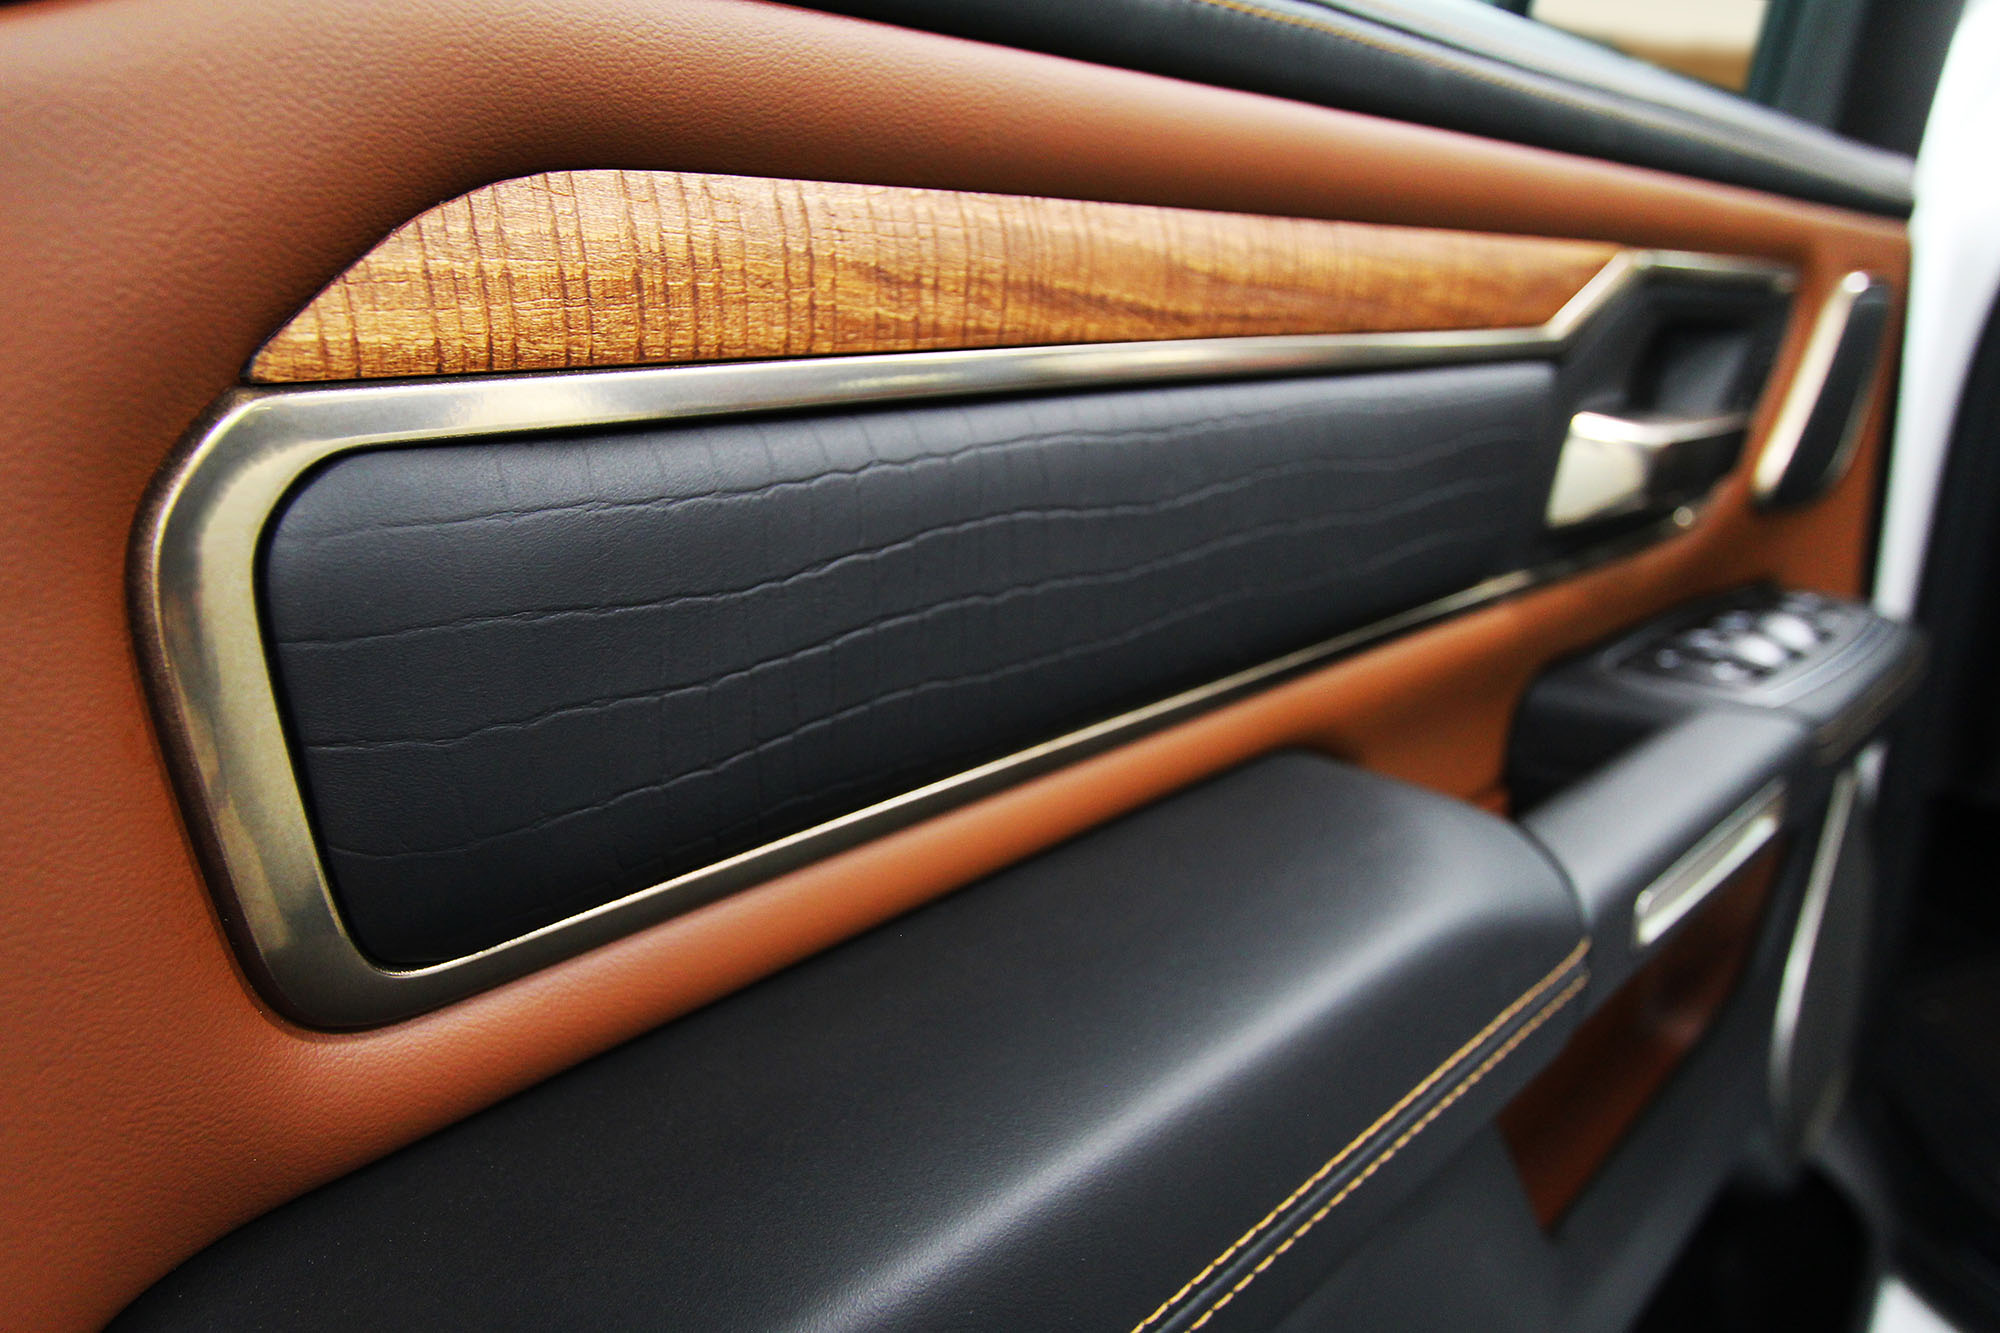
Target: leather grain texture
[(1049, 1101), (199, 169), (527, 678)]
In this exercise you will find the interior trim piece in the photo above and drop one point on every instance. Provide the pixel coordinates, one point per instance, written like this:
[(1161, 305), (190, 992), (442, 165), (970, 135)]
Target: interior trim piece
[(1642, 93), (1805, 936), (1307, 1206), (196, 605), (1665, 902), (1859, 720), (1808, 386), (575, 269), (1394, 933), (1460, 67), (1610, 465), (529, 676), (1532, 44), (1564, 1127)]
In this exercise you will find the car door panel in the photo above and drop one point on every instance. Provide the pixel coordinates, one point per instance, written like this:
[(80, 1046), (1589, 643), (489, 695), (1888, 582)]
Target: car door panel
[(1126, 1077), (162, 1101)]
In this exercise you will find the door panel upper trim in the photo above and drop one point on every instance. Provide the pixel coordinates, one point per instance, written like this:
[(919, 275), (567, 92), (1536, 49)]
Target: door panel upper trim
[(1471, 72)]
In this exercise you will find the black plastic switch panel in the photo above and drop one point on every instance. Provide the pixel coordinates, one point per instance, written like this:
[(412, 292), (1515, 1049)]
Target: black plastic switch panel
[(1761, 636), (1833, 665)]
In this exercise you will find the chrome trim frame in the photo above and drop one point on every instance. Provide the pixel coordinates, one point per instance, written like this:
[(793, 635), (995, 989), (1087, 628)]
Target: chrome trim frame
[(1663, 904), (194, 572), (1803, 395), (1805, 943)]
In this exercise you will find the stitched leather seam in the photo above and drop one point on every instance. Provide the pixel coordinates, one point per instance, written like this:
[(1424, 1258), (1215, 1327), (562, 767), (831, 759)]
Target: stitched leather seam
[(1569, 993), (1430, 1080)]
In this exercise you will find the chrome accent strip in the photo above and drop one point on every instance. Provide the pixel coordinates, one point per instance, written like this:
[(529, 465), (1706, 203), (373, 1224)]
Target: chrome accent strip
[(1656, 434), (1805, 936), (1688, 882), (198, 622), (1808, 383), (1629, 266)]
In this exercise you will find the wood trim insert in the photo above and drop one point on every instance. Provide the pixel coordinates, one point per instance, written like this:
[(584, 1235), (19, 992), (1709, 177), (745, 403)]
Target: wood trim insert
[(618, 268)]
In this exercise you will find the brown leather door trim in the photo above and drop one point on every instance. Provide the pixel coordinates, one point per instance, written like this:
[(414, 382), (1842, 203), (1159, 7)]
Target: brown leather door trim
[(191, 172)]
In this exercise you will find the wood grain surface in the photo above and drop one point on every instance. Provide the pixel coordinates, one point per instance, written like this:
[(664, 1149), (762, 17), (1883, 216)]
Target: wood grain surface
[(615, 268)]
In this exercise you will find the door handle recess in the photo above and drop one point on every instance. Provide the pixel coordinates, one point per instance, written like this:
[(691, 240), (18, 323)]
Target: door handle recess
[(1616, 465)]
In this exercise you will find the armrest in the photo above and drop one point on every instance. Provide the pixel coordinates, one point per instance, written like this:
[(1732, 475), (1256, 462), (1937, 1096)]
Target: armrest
[(1645, 839), (1653, 766), (1211, 1043)]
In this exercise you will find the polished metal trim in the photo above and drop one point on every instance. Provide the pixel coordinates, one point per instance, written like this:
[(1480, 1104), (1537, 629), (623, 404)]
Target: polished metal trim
[(1629, 267), (1608, 464), (1687, 883), (1657, 433), (195, 603), (1807, 386), (1806, 934)]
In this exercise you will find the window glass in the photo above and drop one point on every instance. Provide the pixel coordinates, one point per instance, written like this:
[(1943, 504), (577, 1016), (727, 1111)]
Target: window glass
[(1711, 40)]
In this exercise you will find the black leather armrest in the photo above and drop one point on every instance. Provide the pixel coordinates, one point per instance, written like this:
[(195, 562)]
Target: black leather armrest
[(1626, 828), (1164, 1075), (1652, 766)]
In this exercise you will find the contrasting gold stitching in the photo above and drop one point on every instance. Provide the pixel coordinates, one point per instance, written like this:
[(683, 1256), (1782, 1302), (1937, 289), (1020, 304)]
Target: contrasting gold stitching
[(1506, 1049), (1430, 1080)]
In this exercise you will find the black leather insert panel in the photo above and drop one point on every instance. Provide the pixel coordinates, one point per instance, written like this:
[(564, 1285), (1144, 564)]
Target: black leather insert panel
[(1049, 1101), (527, 677)]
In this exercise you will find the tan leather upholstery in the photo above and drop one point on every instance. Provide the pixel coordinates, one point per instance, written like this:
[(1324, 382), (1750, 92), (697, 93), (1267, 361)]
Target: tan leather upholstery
[(180, 176)]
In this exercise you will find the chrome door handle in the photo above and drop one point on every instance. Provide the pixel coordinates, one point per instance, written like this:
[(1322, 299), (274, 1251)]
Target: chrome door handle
[(1613, 465)]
